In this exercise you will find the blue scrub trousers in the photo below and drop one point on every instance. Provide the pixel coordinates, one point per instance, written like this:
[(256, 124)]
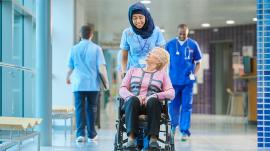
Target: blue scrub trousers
[(183, 100), (86, 112)]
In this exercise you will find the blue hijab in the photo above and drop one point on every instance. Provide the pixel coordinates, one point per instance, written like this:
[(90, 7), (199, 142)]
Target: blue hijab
[(148, 28)]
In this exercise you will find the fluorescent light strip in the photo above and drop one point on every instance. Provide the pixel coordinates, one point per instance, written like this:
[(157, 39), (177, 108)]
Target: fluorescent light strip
[(229, 22), (205, 25), (146, 1)]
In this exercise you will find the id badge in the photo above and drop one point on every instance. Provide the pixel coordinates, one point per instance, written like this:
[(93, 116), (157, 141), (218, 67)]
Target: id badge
[(192, 76)]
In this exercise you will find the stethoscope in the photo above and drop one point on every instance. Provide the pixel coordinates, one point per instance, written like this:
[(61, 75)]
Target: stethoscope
[(187, 50)]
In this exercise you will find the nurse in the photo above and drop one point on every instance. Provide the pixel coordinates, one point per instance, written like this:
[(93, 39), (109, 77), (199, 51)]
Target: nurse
[(185, 57), (140, 38)]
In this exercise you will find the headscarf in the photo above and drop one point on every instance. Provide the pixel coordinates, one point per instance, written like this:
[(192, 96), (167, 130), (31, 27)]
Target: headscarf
[(148, 28)]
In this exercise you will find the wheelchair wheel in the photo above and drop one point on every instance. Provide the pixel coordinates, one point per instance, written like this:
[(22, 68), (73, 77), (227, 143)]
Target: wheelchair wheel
[(170, 143), (167, 148), (115, 142), (118, 146), (172, 147), (118, 138)]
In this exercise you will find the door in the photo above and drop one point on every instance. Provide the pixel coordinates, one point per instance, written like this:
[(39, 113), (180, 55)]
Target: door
[(222, 74)]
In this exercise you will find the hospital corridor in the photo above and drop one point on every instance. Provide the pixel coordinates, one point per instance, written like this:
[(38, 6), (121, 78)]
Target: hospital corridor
[(135, 75)]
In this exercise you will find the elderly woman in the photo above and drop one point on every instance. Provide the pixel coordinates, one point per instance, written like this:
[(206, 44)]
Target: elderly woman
[(143, 89)]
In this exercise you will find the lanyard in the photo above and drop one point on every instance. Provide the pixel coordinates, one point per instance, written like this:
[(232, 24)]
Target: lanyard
[(142, 47)]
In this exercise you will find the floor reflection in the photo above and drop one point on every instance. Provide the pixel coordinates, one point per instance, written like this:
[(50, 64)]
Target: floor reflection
[(209, 133)]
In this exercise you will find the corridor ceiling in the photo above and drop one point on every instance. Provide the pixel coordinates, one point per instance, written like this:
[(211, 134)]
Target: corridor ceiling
[(111, 15)]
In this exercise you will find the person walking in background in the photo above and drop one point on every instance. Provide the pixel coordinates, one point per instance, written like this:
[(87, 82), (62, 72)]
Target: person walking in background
[(140, 38), (86, 63), (185, 57)]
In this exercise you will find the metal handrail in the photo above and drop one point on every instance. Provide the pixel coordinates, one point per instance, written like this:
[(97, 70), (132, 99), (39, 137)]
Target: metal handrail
[(2, 64)]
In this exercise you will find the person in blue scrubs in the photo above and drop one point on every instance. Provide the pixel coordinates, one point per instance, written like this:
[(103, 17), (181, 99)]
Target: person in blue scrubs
[(86, 62), (139, 39), (185, 57)]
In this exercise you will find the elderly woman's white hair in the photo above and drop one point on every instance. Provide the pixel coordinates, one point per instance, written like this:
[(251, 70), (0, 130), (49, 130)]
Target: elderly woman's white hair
[(163, 57)]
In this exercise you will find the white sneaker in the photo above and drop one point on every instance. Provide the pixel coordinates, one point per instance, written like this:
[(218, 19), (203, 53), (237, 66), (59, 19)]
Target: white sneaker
[(80, 139), (184, 137), (93, 139)]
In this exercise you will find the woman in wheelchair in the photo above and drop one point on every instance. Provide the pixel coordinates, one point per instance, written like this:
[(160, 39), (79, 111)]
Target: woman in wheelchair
[(143, 89)]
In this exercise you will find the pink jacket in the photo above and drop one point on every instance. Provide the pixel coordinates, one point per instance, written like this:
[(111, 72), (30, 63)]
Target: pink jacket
[(139, 82)]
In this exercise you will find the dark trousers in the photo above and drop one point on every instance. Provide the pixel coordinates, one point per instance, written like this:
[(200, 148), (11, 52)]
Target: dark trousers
[(132, 111), (86, 112)]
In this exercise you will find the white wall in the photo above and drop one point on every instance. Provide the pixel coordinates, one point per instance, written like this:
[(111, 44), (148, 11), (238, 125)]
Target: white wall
[(62, 41), (80, 18)]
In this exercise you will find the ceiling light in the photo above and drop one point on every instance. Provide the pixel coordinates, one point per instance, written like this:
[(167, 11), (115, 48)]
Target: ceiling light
[(148, 8), (254, 19), (191, 32), (205, 25), (146, 1), (215, 30), (229, 22)]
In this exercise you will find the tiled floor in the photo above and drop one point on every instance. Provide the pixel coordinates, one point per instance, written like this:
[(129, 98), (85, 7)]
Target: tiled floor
[(209, 133)]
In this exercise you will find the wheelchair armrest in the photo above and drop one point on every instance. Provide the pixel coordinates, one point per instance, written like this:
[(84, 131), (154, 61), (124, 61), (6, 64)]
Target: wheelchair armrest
[(165, 106), (165, 101), (121, 106), (121, 101)]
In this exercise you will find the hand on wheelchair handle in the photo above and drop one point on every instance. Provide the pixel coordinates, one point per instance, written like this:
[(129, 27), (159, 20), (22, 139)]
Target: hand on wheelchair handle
[(123, 74)]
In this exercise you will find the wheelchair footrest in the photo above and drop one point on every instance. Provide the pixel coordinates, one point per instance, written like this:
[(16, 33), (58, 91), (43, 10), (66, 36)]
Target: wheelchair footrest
[(125, 148)]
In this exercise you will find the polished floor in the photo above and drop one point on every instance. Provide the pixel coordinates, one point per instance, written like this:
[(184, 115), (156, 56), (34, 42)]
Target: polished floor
[(209, 133)]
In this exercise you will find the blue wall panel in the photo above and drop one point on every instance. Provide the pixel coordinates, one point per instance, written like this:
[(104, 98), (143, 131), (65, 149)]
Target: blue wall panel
[(263, 73)]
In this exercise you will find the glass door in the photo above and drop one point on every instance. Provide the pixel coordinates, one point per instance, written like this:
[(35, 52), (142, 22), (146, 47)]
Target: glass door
[(12, 78)]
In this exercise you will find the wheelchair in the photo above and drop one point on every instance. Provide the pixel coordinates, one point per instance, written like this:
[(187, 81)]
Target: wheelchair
[(167, 144)]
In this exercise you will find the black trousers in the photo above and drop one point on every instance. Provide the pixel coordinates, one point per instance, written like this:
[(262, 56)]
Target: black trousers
[(152, 109), (86, 112)]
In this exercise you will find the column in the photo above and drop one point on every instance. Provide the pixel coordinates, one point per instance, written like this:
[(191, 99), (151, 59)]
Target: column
[(44, 70)]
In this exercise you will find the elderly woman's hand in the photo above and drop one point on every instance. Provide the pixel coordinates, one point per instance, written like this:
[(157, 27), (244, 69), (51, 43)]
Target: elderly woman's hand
[(142, 99), (151, 96)]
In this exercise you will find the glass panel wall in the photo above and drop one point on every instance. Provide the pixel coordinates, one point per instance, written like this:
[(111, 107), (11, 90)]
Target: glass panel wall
[(19, 1), (17, 54), (1, 58)]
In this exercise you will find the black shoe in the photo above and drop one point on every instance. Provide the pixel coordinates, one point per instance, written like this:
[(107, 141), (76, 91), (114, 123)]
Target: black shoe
[(131, 146), (154, 145)]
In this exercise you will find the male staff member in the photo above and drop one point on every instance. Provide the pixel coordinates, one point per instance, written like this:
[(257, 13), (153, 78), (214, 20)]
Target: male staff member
[(86, 62), (185, 56)]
